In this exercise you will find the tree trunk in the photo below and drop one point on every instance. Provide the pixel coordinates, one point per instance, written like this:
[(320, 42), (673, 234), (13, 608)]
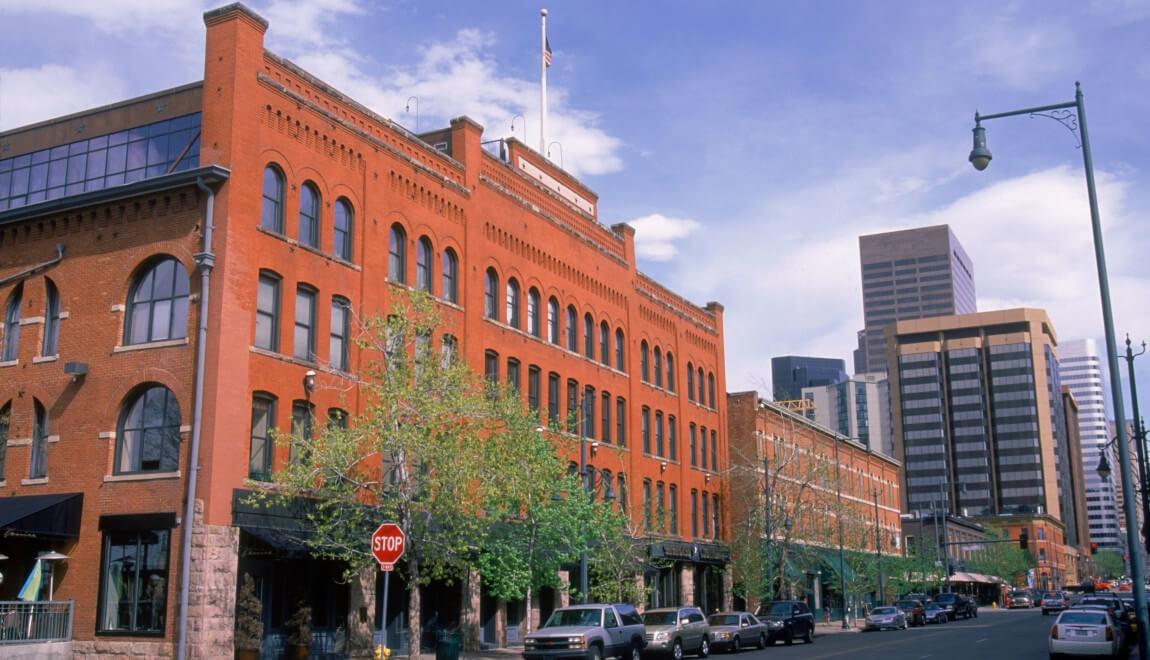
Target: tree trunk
[(414, 606)]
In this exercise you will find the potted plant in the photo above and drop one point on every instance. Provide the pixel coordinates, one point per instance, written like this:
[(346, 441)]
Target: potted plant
[(299, 632), (249, 621)]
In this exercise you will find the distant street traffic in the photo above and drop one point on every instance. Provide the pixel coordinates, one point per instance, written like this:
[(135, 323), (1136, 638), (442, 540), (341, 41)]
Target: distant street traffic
[(1007, 634)]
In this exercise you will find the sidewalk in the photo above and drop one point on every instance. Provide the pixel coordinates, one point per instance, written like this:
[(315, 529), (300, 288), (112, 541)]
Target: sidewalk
[(836, 627)]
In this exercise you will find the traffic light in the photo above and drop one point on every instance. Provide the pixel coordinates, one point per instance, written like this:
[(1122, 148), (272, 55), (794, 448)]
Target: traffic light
[(1093, 548), (1024, 538)]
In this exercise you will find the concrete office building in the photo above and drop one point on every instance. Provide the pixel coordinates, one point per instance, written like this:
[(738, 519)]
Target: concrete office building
[(858, 407), (1082, 369), (791, 373), (980, 424), (909, 274)]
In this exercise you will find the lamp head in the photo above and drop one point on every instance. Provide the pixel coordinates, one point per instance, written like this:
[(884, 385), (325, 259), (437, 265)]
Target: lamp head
[(1104, 468), (979, 155), (309, 381)]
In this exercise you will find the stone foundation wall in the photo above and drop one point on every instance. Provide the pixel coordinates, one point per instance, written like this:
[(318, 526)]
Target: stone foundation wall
[(110, 648), (212, 589), (361, 614)]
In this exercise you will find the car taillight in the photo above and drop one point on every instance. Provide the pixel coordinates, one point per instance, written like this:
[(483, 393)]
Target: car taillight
[(1109, 634), (1054, 632)]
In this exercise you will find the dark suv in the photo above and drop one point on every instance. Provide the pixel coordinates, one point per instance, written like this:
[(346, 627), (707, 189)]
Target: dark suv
[(787, 620), (957, 606)]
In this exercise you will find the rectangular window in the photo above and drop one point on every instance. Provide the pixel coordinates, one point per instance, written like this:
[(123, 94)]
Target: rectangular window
[(660, 507), (534, 376), (622, 480), (589, 413), (645, 429), (303, 346), (263, 424), (337, 346), (703, 447), (647, 522), (672, 439), (553, 399), (706, 515), (673, 518), (621, 421), (693, 446), (715, 513), (605, 423), (694, 513), (40, 433), (660, 446), (302, 414), (513, 374), (267, 313), (491, 366), (572, 406), (714, 450), (134, 582)]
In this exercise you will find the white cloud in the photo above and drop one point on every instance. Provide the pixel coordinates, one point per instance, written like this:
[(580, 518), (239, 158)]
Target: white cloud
[(304, 23), (656, 234), (23, 99), (118, 15)]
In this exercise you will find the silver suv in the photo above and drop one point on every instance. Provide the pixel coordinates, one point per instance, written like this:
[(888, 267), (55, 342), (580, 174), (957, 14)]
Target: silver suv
[(677, 630)]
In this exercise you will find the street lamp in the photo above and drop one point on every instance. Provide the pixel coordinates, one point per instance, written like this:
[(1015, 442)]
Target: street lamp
[(1139, 443), (586, 489), (1072, 115), (842, 555), (878, 551)]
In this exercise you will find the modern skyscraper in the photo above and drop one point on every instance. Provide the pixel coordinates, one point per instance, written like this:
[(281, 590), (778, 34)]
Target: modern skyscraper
[(791, 373), (980, 424), (1083, 370), (858, 407), (910, 274)]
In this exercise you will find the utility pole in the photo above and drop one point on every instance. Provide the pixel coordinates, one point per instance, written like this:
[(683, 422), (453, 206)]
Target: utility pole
[(767, 523), (1139, 436), (945, 542), (878, 551)]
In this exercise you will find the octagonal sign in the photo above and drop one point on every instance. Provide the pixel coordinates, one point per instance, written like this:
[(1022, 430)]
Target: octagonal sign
[(387, 545)]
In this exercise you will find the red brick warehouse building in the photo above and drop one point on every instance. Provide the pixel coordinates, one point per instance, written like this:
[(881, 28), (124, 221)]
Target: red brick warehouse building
[(216, 241)]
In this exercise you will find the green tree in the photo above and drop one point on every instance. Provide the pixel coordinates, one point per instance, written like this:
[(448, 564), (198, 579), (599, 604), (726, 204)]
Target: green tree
[(1003, 560), (1109, 564), (446, 455)]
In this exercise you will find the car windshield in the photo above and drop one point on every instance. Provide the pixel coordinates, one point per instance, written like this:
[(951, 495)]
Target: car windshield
[(657, 618), (882, 611), (946, 598), (934, 606), (906, 604), (779, 609), (723, 620), (574, 617), (1086, 618)]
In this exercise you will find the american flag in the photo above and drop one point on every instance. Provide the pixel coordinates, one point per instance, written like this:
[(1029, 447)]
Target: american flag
[(546, 52)]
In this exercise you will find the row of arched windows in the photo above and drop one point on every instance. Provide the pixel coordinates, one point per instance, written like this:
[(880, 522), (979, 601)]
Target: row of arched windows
[(425, 254), (695, 386), (305, 330), (506, 304), (265, 425), (310, 224)]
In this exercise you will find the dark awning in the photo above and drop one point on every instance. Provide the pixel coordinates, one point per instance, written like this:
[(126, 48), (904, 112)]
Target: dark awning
[(42, 516), (279, 526)]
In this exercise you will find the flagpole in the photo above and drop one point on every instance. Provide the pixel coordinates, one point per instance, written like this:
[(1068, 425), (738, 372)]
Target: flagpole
[(543, 83)]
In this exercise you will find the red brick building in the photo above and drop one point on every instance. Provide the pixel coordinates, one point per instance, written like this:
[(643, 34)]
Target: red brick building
[(173, 266)]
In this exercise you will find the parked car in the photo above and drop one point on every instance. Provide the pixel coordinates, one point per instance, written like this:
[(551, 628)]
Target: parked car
[(957, 606), (1053, 601), (886, 617), (1122, 614), (734, 630), (1020, 598), (591, 632), (1085, 632), (677, 630), (914, 610), (936, 613), (787, 620)]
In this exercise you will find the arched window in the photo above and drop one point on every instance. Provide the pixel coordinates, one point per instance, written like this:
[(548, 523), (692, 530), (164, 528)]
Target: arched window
[(268, 311), (690, 382), (620, 362), (512, 303), (12, 324), (450, 276), (702, 398), (572, 329), (263, 437), (51, 320), (272, 214), (148, 439), (309, 205), (158, 303), (670, 371), (644, 365), (604, 343), (303, 339), (658, 367), (491, 295), (423, 258), (711, 389), (38, 467), (589, 336), (397, 255), (5, 425), (553, 320), (342, 227), (338, 341), (533, 325)]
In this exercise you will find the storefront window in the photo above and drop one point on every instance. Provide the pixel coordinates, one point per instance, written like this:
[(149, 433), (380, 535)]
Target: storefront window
[(134, 582)]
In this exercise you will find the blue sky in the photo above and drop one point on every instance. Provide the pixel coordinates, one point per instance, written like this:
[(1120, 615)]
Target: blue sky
[(750, 143)]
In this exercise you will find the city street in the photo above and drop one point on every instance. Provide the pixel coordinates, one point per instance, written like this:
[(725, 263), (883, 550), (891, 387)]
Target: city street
[(1013, 634)]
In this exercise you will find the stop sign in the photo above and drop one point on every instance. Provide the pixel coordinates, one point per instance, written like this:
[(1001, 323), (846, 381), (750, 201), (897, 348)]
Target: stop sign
[(387, 545)]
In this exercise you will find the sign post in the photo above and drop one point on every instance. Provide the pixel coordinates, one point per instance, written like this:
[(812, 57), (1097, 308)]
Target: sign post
[(387, 545)]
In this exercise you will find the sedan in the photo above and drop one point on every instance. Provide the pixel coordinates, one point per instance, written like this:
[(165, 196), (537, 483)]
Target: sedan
[(734, 630), (1085, 632), (914, 611), (886, 617), (936, 613), (1053, 601)]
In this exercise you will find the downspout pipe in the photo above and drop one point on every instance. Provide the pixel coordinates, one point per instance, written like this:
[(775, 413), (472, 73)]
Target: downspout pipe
[(205, 261)]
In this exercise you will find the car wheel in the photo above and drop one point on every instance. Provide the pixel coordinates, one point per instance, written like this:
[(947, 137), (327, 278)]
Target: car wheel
[(677, 650), (735, 645), (595, 653), (810, 636), (705, 648), (790, 638), (636, 652), (762, 641), (905, 625)]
